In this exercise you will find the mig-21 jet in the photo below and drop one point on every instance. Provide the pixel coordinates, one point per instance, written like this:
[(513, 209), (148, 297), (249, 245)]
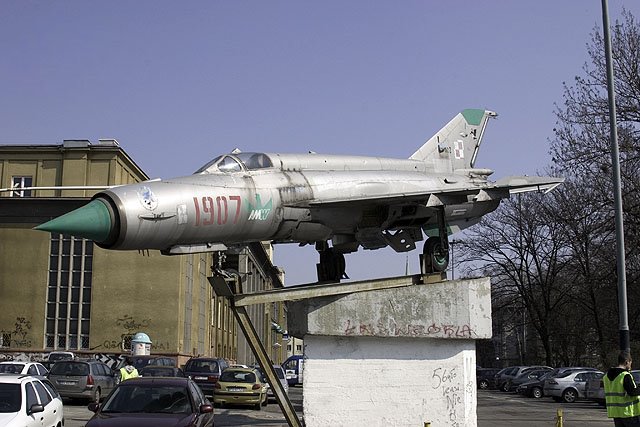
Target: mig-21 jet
[(338, 203)]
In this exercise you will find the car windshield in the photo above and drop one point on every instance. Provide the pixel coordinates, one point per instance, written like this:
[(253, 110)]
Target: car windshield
[(10, 398), (238, 377), (202, 366), (158, 371), (70, 369), (146, 398), (11, 368)]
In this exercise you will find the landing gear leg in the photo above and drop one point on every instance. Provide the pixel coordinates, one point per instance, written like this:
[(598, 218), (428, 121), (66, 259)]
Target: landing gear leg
[(332, 266), (435, 253)]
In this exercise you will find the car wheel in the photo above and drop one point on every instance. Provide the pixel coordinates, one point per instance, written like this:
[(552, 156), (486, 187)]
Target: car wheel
[(505, 386), (569, 395), (266, 400), (97, 395), (536, 392), (483, 384), (258, 406)]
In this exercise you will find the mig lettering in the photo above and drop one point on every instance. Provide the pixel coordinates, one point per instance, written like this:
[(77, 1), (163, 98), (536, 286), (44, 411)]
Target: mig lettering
[(259, 214), (209, 213)]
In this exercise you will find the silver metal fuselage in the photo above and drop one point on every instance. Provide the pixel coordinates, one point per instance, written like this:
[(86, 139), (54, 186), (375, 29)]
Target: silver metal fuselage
[(303, 198)]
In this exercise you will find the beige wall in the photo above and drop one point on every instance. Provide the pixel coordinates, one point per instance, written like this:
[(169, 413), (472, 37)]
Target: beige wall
[(23, 278)]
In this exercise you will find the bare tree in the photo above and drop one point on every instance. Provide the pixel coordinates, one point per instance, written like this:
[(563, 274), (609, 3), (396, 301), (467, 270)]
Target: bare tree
[(523, 250)]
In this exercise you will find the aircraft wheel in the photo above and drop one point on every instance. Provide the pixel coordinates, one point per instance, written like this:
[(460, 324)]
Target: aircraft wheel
[(436, 258), (332, 266)]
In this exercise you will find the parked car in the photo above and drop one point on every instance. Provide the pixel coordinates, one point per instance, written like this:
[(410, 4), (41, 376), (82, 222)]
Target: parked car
[(27, 401), (594, 390), (484, 377), (534, 388), (57, 356), (294, 369), (524, 377), (281, 377), (502, 378), (205, 371), (154, 402), (25, 368), (82, 379), (161, 371), (569, 386), (139, 362), (241, 386)]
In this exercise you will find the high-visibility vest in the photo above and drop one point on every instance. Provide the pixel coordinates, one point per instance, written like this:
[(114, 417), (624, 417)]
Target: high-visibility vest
[(124, 375), (619, 403)]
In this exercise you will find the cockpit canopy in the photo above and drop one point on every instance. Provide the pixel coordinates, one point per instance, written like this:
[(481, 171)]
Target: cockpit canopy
[(237, 163)]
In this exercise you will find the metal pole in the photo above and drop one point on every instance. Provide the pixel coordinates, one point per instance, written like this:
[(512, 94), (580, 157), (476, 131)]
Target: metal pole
[(625, 344)]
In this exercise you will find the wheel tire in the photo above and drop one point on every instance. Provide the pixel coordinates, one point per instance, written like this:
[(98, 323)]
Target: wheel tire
[(536, 392), (434, 255), (97, 395), (483, 384), (569, 395), (505, 387), (258, 406), (266, 400)]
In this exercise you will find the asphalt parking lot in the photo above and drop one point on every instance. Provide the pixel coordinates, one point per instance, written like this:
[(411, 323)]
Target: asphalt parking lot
[(495, 409), (499, 409)]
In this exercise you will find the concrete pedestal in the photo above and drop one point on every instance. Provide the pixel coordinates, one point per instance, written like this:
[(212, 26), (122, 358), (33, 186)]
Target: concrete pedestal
[(393, 357)]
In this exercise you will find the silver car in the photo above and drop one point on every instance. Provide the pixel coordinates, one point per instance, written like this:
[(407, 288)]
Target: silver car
[(595, 388), (82, 379), (570, 385)]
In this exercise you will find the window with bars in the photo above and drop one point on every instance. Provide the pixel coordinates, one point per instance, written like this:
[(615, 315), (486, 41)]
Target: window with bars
[(69, 293), (21, 182)]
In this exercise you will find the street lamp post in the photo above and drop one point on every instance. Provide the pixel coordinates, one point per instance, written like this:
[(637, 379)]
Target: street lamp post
[(625, 344)]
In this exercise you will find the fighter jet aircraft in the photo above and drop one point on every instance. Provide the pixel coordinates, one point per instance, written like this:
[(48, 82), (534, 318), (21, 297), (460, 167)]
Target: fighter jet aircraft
[(339, 203)]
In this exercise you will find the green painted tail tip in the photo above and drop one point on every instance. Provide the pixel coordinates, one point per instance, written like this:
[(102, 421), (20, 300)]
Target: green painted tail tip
[(92, 221), (473, 116)]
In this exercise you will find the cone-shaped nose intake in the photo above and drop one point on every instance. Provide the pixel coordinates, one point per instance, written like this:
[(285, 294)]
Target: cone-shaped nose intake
[(91, 221)]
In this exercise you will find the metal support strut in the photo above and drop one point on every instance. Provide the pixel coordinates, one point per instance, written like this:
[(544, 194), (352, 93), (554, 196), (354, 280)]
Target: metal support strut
[(228, 286)]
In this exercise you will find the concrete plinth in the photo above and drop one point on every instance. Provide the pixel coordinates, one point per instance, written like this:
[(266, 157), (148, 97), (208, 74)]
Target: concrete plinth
[(393, 357)]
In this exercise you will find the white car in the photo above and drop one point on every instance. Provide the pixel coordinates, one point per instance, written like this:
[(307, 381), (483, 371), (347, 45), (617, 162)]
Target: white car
[(26, 401), (25, 368)]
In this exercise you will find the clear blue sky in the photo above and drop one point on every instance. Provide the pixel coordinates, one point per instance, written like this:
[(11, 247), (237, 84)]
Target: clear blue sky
[(177, 83)]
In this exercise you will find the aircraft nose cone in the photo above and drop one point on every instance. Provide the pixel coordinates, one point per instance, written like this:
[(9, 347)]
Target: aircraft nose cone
[(91, 221)]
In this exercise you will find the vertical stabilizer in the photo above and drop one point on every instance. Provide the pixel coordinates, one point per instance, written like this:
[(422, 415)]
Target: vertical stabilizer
[(455, 146)]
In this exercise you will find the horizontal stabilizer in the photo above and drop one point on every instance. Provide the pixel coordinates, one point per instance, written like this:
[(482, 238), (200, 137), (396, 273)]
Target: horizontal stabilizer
[(523, 184)]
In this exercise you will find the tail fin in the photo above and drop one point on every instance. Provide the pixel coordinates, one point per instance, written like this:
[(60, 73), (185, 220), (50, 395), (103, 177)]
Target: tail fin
[(455, 146)]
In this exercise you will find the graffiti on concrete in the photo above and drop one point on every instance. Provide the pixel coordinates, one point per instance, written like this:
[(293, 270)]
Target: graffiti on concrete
[(435, 330)]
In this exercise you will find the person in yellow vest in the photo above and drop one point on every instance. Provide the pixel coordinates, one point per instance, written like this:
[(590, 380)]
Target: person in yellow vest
[(621, 393), (128, 371)]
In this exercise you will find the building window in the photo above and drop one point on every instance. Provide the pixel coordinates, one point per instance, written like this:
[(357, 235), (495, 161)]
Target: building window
[(5, 339), (21, 182), (126, 342), (69, 293)]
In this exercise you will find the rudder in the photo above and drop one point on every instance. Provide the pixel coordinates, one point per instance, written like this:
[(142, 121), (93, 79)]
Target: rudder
[(455, 146)]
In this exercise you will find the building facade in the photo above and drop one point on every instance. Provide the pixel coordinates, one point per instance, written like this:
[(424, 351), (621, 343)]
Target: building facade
[(59, 292)]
